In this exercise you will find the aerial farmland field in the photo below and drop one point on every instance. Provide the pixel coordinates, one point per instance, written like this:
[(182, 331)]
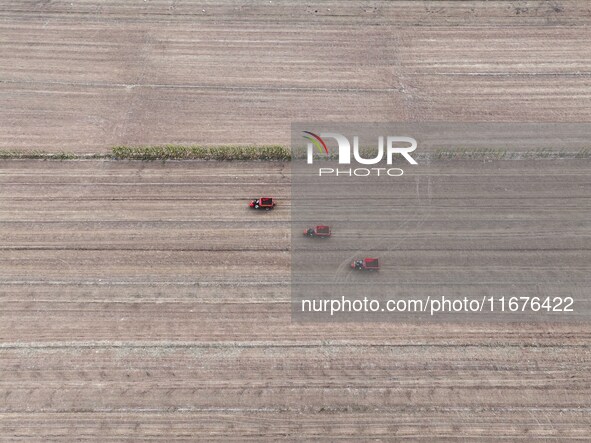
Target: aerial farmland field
[(144, 300)]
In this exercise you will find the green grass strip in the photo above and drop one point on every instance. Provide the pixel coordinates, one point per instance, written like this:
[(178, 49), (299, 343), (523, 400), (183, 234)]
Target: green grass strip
[(17, 154), (220, 153), (279, 153)]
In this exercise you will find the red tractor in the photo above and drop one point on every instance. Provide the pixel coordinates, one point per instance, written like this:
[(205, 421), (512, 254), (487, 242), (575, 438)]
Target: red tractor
[(319, 231), (265, 203), (367, 264)]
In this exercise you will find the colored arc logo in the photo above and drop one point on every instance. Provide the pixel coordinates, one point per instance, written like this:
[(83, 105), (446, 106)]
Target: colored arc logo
[(317, 141)]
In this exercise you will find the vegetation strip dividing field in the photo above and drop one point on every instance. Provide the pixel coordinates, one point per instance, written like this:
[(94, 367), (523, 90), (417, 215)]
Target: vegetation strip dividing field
[(179, 152), (276, 153), (20, 154)]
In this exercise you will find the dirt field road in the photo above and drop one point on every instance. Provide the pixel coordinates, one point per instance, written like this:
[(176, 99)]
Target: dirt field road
[(146, 301), (84, 76)]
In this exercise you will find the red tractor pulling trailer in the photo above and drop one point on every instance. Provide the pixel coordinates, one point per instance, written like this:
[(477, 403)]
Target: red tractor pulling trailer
[(266, 203), (367, 264), (320, 231)]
